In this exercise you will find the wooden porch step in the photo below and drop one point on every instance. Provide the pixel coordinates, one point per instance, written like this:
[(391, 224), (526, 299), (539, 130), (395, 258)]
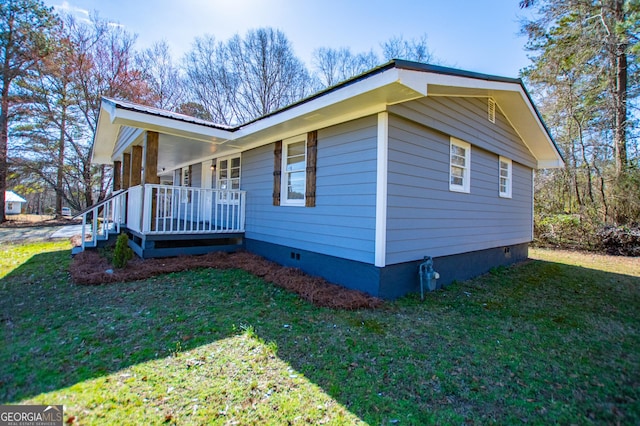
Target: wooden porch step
[(76, 250)]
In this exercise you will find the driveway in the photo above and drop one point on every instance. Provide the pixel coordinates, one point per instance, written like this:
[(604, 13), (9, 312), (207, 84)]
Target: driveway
[(8, 235)]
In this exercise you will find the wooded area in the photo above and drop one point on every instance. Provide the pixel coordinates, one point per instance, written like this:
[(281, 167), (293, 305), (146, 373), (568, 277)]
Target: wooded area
[(583, 77)]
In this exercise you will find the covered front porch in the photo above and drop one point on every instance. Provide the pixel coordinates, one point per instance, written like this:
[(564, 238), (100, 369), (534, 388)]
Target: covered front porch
[(168, 220), (176, 183)]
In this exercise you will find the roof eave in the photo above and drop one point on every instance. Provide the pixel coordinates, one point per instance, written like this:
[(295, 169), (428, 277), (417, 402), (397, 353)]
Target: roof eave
[(106, 134), (515, 103), (358, 98), (550, 164), (169, 126), (114, 115), (394, 82)]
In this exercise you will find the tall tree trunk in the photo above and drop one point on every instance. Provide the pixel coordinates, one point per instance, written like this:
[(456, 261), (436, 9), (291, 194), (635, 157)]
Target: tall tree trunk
[(573, 176), (585, 160), (88, 189), (4, 137), (605, 213), (620, 100), (60, 175)]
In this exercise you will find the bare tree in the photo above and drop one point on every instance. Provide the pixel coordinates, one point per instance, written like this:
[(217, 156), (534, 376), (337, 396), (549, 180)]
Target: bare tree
[(244, 78), (335, 65), (208, 85), (268, 73), (63, 96), (332, 66), (103, 65), (410, 50), (162, 76)]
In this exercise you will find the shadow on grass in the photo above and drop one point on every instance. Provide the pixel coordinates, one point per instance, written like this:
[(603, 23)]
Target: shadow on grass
[(536, 342)]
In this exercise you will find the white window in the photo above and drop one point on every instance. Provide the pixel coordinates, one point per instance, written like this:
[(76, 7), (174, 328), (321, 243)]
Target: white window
[(459, 166), (228, 177), (505, 177), (185, 176), (294, 171), (185, 196)]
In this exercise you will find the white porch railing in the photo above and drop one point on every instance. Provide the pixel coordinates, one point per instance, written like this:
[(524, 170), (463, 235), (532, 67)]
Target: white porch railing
[(163, 209), (183, 210), (106, 218), (134, 208)]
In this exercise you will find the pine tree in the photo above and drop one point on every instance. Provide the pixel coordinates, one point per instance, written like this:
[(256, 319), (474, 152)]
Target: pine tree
[(25, 28), (584, 74)]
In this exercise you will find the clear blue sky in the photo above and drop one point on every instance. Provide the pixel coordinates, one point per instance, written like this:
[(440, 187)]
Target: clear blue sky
[(477, 35)]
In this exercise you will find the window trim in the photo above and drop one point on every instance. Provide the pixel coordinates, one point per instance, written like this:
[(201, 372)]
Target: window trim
[(466, 177), (284, 200), (509, 183)]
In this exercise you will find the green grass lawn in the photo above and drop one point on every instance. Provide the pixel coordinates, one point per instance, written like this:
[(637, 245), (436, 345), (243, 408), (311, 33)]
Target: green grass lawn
[(554, 340)]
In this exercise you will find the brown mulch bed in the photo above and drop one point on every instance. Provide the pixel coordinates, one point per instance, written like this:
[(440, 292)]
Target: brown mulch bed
[(89, 267)]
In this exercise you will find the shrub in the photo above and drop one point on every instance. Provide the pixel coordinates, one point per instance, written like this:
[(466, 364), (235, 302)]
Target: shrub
[(122, 252), (566, 231), (620, 240)]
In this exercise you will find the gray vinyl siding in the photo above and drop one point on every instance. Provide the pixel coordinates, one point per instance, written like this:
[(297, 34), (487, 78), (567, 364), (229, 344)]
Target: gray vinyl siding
[(343, 222), (466, 119), (195, 180), (425, 218)]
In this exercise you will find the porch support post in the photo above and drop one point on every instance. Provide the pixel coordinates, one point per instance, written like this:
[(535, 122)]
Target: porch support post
[(136, 166), (126, 170), (151, 158), (151, 170), (126, 182), (135, 180), (117, 171)]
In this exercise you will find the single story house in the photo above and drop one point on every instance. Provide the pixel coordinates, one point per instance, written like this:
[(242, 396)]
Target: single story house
[(356, 184), (13, 203)]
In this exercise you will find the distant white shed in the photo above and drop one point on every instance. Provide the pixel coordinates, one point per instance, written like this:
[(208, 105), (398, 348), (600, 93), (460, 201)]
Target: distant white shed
[(13, 203)]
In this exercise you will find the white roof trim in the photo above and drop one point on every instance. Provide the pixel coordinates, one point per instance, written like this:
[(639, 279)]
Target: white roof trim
[(550, 164), (12, 197), (382, 172), (370, 93), (169, 126), (359, 88)]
